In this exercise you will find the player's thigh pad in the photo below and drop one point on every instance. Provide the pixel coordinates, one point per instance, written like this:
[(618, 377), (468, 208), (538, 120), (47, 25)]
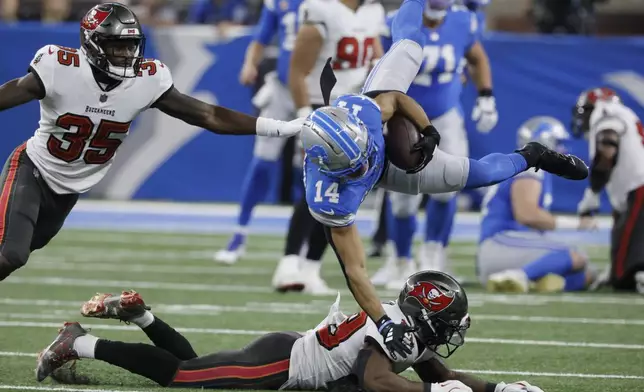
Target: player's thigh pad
[(20, 200), (403, 204), (54, 210), (453, 141), (396, 69), (444, 173), (513, 250)]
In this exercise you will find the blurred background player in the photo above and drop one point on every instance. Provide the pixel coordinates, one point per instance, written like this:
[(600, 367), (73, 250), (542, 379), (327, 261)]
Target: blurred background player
[(273, 100), (349, 32), (514, 254), (616, 149), (452, 42)]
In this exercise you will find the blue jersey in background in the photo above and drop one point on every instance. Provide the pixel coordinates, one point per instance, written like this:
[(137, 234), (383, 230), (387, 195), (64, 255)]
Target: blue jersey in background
[(279, 16)]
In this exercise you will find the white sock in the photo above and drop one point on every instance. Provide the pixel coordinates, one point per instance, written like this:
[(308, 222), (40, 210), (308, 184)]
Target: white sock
[(85, 345), (144, 320)]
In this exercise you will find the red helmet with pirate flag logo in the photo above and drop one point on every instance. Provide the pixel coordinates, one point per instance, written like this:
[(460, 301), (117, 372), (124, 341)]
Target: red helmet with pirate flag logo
[(436, 304), (112, 40), (586, 104)]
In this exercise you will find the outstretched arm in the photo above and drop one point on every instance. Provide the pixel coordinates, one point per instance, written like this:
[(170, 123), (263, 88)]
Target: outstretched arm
[(218, 119), (20, 91)]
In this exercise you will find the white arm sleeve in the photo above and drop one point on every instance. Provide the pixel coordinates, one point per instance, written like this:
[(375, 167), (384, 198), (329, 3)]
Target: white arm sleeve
[(160, 81), (315, 12)]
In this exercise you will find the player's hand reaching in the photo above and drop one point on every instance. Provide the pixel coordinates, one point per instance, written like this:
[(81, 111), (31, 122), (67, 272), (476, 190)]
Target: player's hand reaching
[(396, 337), (485, 113), (519, 386), (450, 386), (276, 128), (428, 142)]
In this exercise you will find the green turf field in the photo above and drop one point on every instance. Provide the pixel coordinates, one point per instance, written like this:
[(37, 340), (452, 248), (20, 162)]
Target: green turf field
[(583, 342)]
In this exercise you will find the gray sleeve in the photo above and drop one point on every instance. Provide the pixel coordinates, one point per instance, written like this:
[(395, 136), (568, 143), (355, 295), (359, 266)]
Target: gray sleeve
[(444, 173)]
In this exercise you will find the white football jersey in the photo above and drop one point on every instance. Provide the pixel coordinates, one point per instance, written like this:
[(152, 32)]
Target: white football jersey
[(328, 352), (628, 173), (349, 38), (82, 126)]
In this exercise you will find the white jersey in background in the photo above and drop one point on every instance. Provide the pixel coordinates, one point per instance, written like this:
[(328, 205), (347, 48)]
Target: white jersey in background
[(329, 351), (628, 173), (81, 126), (348, 38)]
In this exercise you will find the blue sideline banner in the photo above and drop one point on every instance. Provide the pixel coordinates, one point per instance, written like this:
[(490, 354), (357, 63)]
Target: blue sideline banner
[(167, 159)]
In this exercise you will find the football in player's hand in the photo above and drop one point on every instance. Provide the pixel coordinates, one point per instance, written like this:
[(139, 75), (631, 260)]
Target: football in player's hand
[(400, 138)]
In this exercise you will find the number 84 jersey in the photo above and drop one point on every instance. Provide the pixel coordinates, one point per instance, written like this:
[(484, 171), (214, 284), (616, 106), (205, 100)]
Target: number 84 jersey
[(329, 351), (81, 126)]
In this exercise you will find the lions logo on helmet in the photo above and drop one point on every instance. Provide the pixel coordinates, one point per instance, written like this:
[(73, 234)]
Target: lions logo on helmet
[(546, 130), (337, 142)]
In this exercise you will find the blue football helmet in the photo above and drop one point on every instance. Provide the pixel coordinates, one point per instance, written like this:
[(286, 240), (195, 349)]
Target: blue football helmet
[(546, 130)]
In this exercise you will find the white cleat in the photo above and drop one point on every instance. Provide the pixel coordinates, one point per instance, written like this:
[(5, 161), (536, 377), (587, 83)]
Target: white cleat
[(639, 282), (313, 282), (509, 281), (287, 276), (229, 257), (406, 268), (386, 273)]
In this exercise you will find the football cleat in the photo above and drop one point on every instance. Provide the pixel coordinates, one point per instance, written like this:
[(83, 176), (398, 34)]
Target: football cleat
[(551, 283), (563, 165), (234, 250), (510, 281), (123, 307), (60, 351), (287, 275)]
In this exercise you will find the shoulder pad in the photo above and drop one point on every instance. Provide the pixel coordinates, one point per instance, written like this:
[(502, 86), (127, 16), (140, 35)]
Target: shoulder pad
[(49, 58), (157, 76)]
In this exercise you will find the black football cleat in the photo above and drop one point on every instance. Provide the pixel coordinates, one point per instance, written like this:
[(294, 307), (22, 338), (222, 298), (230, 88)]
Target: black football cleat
[(119, 307), (60, 351), (563, 165)]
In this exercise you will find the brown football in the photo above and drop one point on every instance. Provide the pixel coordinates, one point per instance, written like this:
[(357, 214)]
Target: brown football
[(400, 137)]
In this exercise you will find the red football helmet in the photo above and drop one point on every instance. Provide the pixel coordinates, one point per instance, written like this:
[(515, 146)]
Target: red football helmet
[(586, 104), (436, 304)]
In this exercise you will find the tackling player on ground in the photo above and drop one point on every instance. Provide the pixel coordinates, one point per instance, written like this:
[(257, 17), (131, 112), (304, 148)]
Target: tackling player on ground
[(341, 354), (616, 147), (88, 98), (345, 160)]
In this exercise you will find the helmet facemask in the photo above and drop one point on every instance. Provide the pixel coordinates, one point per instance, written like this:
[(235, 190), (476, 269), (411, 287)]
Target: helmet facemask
[(120, 58), (440, 336)]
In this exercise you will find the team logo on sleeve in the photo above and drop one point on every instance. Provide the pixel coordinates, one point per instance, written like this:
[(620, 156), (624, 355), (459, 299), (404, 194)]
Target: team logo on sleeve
[(430, 296), (94, 19)]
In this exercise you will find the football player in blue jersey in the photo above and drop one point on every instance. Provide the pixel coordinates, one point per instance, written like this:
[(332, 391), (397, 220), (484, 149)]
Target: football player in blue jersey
[(514, 254), (451, 42), (345, 159), (273, 99)]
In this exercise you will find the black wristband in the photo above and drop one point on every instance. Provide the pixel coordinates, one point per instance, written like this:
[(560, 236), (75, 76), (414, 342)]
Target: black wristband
[(490, 387), (486, 92), (382, 321), (427, 387)]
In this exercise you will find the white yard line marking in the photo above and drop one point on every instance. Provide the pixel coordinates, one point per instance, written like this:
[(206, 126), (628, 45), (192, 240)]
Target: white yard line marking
[(59, 308), (218, 331), (518, 300)]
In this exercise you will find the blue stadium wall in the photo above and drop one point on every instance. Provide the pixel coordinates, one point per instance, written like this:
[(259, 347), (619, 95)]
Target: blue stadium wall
[(170, 160)]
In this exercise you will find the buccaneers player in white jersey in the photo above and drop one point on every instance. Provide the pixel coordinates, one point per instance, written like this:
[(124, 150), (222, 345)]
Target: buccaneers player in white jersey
[(616, 141), (88, 98), (340, 354)]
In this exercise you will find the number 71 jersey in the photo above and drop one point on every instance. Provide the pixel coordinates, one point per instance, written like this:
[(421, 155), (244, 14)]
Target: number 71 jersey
[(81, 126)]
